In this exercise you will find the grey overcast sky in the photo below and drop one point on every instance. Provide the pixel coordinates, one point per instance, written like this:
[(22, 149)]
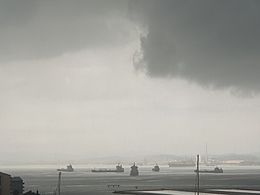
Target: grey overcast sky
[(89, 78)]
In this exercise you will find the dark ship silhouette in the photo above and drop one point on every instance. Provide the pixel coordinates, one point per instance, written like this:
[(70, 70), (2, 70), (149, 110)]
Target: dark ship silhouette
[(68, 169), (134, 170), (216, 170), (119, 168), (156, 168)]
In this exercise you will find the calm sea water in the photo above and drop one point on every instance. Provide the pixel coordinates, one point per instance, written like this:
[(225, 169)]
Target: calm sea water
[(83, 182)]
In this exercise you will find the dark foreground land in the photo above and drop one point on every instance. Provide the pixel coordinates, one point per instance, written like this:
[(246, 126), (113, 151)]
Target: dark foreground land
[(83, 182)]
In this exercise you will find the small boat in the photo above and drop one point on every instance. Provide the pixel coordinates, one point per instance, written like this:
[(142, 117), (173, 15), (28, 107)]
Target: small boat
[(216, 170), (156, 168), (68, 169), (134, 170), (119, 169)]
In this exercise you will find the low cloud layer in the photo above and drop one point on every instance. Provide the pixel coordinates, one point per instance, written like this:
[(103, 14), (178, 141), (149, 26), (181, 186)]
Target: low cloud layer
[(41, 29), (215, 43)]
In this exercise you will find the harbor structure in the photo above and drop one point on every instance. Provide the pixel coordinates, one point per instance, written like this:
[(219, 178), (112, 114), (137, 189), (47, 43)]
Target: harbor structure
[(31, 193), (17, 185), (198, 174), (5, 184), (57, 190), (59, 183)]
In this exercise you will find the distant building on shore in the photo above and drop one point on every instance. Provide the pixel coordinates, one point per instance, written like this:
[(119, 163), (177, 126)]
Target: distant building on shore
[(5, 184), (17, 185)]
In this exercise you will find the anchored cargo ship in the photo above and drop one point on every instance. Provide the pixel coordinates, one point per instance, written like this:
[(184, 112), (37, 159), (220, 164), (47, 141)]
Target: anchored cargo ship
[(134, 170), (68, 169), (119, 168), (216, 170), (156, 168)]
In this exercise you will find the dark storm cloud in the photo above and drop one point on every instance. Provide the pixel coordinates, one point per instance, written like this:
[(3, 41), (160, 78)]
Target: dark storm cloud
[(35, 29), (213, 42)]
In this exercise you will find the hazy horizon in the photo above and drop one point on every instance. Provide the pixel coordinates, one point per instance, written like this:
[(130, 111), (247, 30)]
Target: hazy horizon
[(145, 159), (94, 78)]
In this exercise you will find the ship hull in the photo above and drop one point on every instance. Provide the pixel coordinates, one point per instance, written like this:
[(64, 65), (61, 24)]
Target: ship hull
[(107, 171), (208, 171), (65, 170)]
